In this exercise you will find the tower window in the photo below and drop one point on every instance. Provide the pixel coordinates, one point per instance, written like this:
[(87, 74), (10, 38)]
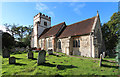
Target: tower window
[(45, 23)]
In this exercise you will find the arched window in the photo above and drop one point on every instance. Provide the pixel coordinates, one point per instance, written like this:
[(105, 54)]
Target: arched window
[(59, 44), (78, 43), (41, 43), (50, 42)]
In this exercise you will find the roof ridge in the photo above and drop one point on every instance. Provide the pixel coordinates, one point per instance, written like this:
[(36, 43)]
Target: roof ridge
[(80, 21), (58, 24)]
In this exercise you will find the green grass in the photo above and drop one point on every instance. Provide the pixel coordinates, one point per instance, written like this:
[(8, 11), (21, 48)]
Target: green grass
[(82, 66)]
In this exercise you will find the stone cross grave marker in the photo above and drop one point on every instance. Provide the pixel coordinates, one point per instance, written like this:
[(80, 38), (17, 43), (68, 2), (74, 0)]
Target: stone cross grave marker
[(100, 60), (30, 55), (41, 57), (12, 60), (6, 53)]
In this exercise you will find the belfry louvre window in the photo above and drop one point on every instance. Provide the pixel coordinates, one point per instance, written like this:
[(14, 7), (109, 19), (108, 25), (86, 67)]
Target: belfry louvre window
[(50, 43), (45, 23)]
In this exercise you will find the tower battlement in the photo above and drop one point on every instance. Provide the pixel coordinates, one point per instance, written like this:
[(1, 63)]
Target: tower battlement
[(42, 16), (40, 23)]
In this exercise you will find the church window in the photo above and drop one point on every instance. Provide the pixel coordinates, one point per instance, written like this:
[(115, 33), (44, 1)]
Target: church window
[(50, 42), (59, 44), (41, 43), (73, 43), (78, 43), (45, 23)]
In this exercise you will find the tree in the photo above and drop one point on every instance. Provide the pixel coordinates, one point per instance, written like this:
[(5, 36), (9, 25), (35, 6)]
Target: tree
[(110, 31), (11, 28), (27, 38), (7, 40), (20, 33), (118, 53)]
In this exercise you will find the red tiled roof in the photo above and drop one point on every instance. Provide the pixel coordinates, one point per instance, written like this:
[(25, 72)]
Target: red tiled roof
[(52, 31), (79, 28), (47, 29)]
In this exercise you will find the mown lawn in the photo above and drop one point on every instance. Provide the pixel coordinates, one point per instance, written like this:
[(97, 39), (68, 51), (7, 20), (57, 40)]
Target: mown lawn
[(83, 66)]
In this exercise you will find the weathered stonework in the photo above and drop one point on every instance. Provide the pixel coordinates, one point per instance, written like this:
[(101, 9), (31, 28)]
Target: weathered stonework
[(39, 27), (91, 43)]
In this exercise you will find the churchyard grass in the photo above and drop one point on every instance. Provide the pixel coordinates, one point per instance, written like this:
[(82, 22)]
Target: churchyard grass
[(82, 66)]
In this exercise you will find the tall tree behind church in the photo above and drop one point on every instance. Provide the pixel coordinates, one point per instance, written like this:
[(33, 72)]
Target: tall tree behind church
[(20, 33), (110, 31)]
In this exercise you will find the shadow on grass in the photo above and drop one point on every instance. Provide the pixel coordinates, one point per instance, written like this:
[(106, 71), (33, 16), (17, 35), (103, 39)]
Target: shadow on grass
[(34, 58), (48, 64), (109, 66), (18, 58), (20, 64), (109, 61), (61, 67)]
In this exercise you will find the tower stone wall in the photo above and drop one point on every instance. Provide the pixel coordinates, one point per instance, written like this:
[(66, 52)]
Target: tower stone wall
[(40, 23)]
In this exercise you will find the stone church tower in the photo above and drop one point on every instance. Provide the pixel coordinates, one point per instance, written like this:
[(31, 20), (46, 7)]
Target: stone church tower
[(40, 23)]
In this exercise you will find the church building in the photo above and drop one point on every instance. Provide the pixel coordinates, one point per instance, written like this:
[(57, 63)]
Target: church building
[(82, 38)]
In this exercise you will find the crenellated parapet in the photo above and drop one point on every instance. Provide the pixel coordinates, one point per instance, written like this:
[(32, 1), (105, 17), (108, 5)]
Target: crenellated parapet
[(40, 15)]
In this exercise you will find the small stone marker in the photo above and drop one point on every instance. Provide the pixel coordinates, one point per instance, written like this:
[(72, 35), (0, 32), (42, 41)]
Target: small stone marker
[(27, 48), (6, 53), (100, 60), (30, 55), (41, 57), (50, 52), (12, 60), (103, 55)]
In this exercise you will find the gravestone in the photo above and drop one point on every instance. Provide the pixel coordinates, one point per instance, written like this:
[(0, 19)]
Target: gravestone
[(12, 60), (27, 48), (6, 53), (50, 52), (103, 55), (30, 55), (100, 60), (41, 57)]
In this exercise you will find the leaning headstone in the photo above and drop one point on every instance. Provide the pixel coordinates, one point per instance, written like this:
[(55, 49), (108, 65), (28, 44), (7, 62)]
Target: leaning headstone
[(103, 55), (12, 60), (6, 53), (30, 55), (41, 57), (50, 52), (100, 60)]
